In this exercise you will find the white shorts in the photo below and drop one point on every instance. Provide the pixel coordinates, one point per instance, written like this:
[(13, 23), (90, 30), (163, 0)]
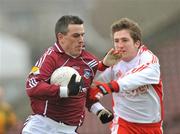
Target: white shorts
[(38, 124)]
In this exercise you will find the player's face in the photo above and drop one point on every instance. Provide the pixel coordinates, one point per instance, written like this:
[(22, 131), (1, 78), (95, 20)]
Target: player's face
[(125, 44), (73, 41)]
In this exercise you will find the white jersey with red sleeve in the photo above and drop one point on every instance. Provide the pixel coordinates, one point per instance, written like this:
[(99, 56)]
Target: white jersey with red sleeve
[(140, 96)]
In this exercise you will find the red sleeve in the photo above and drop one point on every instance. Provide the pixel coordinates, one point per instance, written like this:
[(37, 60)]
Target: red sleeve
[(37, 83), (101, 66)]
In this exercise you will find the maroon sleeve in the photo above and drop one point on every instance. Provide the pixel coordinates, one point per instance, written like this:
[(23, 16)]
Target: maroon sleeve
[(37, 83), (39, 88), (90, 102)]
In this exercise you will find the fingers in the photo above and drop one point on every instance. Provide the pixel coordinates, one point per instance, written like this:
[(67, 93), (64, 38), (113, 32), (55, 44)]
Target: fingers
[(81, 84), (115, 53), (111, 51)]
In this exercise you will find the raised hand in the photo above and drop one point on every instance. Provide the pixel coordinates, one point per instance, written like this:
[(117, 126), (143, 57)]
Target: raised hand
[(112, 57)]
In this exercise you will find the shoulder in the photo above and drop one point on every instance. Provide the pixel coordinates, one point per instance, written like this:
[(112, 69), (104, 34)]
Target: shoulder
[(50, 51), (91, 60), (147, 55), (51, 54), (48, 58)]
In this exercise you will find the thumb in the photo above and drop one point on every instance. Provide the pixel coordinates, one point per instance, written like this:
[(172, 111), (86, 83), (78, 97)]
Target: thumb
[(73, 78), (97, 83)]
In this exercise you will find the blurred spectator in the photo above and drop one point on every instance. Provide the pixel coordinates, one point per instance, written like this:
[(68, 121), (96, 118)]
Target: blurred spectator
[(7, 116)]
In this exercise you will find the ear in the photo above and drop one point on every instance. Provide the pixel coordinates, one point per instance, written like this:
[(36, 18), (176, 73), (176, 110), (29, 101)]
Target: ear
[(137, 44), (60, 37)]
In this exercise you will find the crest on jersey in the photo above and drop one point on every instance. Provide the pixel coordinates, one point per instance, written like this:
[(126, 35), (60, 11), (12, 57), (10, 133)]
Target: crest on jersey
[(35, 70), (119, 74), (87, 73)]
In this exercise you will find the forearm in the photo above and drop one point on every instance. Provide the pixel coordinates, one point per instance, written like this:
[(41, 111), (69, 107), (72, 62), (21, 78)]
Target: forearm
[(41, 88), (147, 76)]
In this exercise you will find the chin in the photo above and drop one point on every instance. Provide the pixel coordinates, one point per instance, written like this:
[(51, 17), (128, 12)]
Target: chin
[(77, 54)]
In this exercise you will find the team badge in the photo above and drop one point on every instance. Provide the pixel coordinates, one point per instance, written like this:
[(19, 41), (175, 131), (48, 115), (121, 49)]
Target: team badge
[(87, 73)]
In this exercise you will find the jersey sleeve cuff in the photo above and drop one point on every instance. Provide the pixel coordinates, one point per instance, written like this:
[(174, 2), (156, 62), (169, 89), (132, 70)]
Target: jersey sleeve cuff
[(96, 107), (101, 66), (63, 91)]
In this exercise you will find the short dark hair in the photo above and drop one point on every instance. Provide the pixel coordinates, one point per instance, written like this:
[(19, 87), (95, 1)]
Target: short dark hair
[(64, 21), (125, 23)]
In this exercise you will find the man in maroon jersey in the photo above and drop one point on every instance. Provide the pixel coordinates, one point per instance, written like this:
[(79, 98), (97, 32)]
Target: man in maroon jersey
[(58, 109)]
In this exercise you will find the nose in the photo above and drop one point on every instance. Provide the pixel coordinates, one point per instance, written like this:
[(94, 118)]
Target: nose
[(119, 45), (81, 39)]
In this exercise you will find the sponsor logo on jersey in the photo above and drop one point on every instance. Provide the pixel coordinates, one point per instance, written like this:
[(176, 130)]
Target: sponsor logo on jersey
[(136, 92)]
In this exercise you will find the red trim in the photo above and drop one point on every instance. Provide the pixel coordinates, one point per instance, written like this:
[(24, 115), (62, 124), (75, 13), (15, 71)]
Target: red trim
[(101, 66), (122, 121), (115, 86), (159, 90)]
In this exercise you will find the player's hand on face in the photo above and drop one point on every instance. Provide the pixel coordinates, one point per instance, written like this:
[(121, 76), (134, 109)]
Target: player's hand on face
[(74, 86), (112, 57)]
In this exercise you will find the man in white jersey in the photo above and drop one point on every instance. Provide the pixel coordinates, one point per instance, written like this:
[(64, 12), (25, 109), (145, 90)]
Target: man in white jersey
[(134, 82)]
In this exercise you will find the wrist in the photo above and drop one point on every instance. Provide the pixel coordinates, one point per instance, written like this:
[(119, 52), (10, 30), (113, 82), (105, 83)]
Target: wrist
[(63, 91), (96, 107), (102, 66), (114, 86)]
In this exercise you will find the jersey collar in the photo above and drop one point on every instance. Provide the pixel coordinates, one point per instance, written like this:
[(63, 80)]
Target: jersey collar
[(58, 48)]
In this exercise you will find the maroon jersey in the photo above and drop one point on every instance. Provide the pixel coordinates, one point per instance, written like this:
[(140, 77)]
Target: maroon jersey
[(44, 97)]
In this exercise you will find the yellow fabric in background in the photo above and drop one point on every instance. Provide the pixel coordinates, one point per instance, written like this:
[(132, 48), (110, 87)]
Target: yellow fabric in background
[(7, 118)]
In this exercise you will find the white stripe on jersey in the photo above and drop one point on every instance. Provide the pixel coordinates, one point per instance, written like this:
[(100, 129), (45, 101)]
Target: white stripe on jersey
[(37, 63), (32, 82), (58, 48), (89, 65), (45, 109), (41, 60), (92, 63)]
